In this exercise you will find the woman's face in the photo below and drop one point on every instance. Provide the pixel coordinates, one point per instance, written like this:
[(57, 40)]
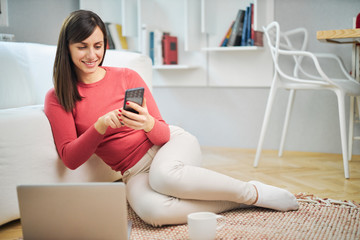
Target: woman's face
[(87, 55)]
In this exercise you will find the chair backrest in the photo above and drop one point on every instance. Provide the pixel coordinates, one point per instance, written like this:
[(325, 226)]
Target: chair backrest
[(291, 46), (277, 42), (295, 40), (288, 39)]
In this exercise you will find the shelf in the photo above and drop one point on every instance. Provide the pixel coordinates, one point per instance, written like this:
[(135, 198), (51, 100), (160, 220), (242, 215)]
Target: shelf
[(226, 49), (172, 67), (200, 26)]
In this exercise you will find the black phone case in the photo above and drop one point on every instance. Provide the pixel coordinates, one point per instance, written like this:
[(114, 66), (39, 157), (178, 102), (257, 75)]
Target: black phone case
[(135, 95)]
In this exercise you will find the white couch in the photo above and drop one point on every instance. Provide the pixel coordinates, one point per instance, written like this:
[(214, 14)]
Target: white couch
[(27, 151)]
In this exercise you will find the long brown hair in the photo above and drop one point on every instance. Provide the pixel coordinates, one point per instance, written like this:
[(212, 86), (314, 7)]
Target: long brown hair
[(78, 26)]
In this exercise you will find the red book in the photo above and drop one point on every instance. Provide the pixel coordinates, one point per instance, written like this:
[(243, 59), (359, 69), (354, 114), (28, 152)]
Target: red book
[(170, 49), (252, 21)]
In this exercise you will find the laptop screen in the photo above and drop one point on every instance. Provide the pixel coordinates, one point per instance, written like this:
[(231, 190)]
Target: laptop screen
[(73, 211)]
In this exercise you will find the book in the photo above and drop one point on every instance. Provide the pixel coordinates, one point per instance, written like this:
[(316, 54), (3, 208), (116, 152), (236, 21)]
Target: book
[(245, 27), (158, 56), (110, 43), (117, 37), (145, 40), (151, 47), (155, 46), (225, 40), (252, 23), (248, 28), (170, 49), (160, 46), (235, 37), (121, 37), (258, 38)]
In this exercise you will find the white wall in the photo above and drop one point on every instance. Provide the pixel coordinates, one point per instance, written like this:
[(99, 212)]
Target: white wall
[(233, 116), (37, 20), (221, 116)]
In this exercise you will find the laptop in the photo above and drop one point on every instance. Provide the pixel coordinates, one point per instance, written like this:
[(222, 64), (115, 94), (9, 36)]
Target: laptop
[(74, 211)]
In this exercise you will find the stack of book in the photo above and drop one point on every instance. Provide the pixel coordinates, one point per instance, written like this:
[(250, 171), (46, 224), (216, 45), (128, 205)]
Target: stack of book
[(241, 31), (116, 40), (160, 46)]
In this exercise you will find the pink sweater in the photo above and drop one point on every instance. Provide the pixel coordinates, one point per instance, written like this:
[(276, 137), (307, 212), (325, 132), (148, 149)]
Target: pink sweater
[(75, 136)]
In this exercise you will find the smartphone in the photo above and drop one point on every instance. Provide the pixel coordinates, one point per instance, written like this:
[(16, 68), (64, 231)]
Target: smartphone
[(135, 95)]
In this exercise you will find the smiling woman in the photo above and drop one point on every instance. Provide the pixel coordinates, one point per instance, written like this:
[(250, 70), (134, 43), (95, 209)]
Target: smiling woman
[(160, 164), (87, 55), (82, 38)]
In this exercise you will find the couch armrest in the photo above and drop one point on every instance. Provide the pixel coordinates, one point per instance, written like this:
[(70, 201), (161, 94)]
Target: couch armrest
[(28, 156)]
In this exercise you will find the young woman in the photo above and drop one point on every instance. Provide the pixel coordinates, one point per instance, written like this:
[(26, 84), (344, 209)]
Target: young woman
[(160, 164)]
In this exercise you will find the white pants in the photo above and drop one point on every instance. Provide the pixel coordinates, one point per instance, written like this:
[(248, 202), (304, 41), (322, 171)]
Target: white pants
[(168, 183)]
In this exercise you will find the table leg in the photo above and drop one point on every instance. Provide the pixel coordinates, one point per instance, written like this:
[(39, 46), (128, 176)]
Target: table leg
[(354, 101)]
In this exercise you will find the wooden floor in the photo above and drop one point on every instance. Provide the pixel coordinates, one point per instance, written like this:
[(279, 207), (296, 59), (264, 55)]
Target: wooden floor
[(316, 173)]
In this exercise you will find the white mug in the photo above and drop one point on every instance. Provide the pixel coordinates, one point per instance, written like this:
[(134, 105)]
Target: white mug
[(203, 225)]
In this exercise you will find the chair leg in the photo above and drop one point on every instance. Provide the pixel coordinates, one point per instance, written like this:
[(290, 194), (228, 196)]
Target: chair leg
[(269, 105), (342, 120), (286, 123), (351, 127)]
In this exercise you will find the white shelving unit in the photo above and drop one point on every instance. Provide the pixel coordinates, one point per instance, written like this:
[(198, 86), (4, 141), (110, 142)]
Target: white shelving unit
[(200, 26), (108, 10), (162, 14), (233, 66), (173, 67), (230, 49)]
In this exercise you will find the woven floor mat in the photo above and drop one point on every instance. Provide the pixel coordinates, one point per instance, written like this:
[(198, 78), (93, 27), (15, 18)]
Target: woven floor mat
[(316, 219)]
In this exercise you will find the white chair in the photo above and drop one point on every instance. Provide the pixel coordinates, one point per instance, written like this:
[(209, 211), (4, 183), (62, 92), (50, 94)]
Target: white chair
[(281, 46)]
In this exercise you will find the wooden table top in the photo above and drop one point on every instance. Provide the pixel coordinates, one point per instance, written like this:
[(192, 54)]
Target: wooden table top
[(339, 36)]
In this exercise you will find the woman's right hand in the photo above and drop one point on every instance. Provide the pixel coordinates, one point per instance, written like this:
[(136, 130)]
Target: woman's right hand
[(111, 119)]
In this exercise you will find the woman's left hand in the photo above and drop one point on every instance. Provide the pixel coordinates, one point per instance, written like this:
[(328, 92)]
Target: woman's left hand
[(141, 121)]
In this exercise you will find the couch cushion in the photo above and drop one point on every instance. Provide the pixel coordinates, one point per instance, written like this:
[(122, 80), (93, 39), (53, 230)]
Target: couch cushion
[(41, 62), (26, 71), (28, 156), (15, 88)]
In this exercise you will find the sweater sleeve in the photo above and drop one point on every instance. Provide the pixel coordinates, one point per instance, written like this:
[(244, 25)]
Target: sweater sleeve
[(160, 134), (73, 150)]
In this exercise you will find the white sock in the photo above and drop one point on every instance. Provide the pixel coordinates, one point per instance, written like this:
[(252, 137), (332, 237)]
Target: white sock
[(274, 197)]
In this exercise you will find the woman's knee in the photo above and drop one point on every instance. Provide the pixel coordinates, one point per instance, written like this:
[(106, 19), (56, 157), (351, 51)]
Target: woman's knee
[(182, 147), (170, 163), (182, 135), (166, 178)]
